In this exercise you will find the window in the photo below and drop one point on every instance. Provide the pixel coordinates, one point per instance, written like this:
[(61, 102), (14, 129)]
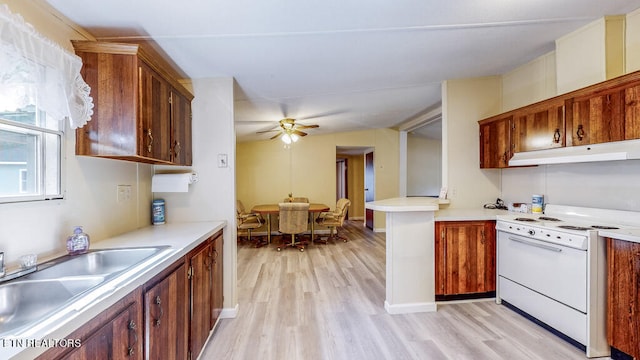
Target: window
[(30, 149), (40, 88)]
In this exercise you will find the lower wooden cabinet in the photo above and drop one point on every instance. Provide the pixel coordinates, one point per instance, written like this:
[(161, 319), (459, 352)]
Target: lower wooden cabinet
[(166, 315), (465, 253), (205, 269), (218, 297), (116, 333), (623, 296)]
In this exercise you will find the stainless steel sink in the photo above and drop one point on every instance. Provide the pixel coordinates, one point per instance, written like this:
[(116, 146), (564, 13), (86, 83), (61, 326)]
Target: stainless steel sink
[(61, 282), (22, 302), (98, 262)]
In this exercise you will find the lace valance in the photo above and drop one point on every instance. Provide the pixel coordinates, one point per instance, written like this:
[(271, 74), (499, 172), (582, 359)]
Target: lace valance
[(36, 69)]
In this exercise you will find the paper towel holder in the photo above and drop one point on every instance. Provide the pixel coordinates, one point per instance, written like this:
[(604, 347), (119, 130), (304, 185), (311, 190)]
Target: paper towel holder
[(173, 181)]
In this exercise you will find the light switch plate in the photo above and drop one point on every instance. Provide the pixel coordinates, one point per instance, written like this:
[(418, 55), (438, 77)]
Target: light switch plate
[(123, 193), (222, 160)]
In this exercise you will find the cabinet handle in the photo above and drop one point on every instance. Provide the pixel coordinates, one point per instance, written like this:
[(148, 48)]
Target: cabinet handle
[(150, 144), (556, 136), (208, 260), (580, 132), (156, 322), (132, 328), (176, 148)]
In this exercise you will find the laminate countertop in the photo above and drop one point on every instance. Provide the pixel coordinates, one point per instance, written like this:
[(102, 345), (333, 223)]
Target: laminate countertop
[(632, 235), (180, 239), (473, 214)]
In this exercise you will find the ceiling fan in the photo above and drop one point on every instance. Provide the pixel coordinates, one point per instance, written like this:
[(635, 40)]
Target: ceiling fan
[(289, 130)]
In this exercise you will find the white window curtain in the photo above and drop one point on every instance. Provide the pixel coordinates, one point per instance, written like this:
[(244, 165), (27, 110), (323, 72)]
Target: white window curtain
[(30, 62)]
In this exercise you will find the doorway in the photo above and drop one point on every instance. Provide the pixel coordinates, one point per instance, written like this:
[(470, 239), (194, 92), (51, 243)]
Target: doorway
[(369, 187)]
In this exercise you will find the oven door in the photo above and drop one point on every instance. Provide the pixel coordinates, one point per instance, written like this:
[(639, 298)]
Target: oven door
[(555, 271)]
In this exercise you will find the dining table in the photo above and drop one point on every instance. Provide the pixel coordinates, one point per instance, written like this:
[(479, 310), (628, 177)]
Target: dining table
[(269, 209)]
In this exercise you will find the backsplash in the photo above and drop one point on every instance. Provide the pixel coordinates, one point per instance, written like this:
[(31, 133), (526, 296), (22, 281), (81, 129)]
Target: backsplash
[(609, 185)]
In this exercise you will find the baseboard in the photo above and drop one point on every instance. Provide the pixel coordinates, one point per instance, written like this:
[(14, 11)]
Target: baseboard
[(229, 313), (381, 230), (410, 308)]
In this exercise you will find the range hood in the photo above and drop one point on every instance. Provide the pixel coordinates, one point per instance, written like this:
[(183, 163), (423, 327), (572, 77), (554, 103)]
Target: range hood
[(618, 150)]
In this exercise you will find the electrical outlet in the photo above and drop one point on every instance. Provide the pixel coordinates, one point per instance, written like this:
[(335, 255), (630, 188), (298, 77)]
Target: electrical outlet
[(123, 193)]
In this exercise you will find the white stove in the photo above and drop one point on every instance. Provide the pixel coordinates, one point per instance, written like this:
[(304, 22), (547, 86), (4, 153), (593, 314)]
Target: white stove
[(551, 268)]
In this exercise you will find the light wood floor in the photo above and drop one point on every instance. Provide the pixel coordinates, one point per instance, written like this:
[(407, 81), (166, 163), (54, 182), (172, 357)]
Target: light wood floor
[(327, 303)]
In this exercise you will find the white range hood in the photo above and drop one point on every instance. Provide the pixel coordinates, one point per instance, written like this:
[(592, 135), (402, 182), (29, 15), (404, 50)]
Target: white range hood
[(618, 150)]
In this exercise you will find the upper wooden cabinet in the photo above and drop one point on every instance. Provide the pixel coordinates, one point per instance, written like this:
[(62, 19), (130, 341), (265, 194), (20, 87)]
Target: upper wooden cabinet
[(540, 126), (495, 142), (597, 118), (141, 112), (605, 112)]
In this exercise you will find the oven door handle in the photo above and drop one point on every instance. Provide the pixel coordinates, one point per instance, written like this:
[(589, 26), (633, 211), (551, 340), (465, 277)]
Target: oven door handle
[(534, 244)]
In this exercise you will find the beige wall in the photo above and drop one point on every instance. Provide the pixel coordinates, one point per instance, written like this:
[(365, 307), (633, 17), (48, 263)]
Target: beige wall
[(268, 171), (591, 54), (633, 41), (42, 227), (464, 102), (424, 166), (529, 83)]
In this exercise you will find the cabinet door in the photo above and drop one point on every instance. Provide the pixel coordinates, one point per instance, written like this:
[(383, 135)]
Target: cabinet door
[(166, 310), (495, 143), (539, 127), (201, 262), (119, 339), (180, 129), (465, 257), (598, 118), (154, 115), (218, 297), (632, 112), (623, 296)]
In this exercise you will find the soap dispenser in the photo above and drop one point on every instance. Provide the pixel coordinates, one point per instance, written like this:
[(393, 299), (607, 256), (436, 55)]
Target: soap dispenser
[(78, 243)]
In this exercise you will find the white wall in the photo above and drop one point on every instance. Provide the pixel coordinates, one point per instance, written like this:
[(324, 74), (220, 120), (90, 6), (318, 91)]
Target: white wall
[(213, 196), (424, 166)]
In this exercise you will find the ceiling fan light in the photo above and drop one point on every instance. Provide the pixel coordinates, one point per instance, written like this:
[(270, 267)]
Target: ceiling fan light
[(286, 138), (294, 137)]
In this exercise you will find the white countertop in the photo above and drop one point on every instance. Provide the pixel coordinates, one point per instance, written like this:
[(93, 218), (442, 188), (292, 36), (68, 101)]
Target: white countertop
[(181, 237), (632, 235), (468, 214), (404, 204)]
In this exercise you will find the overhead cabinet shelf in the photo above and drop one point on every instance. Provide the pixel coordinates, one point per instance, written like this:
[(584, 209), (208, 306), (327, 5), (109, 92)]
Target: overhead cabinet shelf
[(606, 112), (142, 113)]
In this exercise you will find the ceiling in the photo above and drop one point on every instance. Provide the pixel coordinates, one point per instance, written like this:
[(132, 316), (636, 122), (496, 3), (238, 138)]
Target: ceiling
[(342, 64)]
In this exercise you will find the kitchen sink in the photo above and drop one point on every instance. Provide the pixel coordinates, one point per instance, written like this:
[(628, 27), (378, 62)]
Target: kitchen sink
[(25, 301), (59, 283), (103, 262)]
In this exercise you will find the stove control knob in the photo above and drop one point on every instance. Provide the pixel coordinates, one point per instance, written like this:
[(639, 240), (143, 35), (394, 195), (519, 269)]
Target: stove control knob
[(531, 232)]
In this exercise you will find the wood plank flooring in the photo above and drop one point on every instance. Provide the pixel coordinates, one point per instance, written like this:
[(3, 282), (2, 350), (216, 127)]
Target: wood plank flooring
[(328, 303)]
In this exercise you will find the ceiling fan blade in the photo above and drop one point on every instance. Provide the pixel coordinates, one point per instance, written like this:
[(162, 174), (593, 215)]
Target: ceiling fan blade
[(299, 133), (266, 131), (275, 136), (300, 126)]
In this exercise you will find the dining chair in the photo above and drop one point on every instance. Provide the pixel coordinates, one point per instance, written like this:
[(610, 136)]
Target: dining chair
[(334, 220), (248, 222), (297, 200), (293, 220)]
